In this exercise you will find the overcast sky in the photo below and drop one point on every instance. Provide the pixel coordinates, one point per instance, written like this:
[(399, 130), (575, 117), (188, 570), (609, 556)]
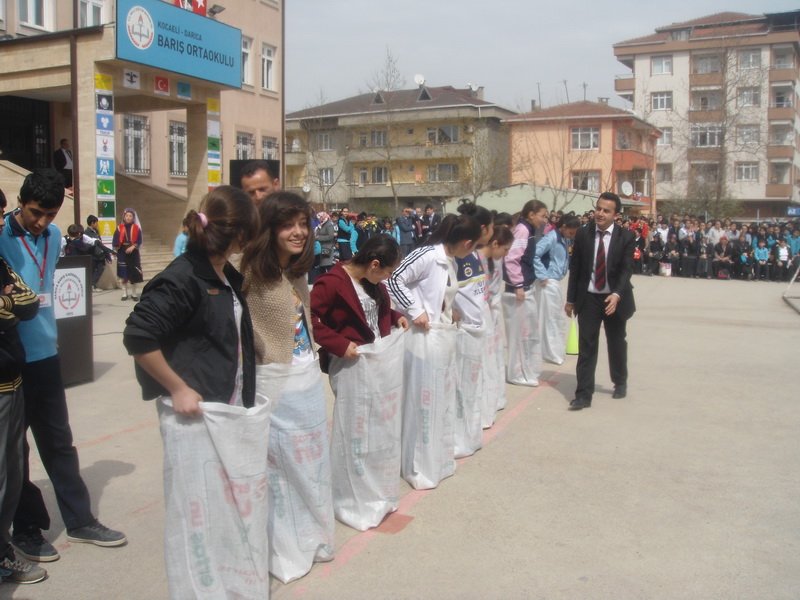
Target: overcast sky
[(334, 48)]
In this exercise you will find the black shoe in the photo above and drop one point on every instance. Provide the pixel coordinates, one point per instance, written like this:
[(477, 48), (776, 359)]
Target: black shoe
[(578, 404), (135, 298), (98, 534), (620, 391), (124, 298), (32, 545)]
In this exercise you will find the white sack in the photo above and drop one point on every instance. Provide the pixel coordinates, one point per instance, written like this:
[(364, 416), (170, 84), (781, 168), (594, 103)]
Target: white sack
[(429, 401), (553, 321), (365, 444), (497, 343), (524, 347), (470, 389), (215, 487)]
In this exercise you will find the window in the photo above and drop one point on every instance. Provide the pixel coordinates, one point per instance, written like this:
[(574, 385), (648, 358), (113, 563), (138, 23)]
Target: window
[(446, 134), (362, 176), (666, 137), (585, 138), (781, 134), (245, 146), (782, 97), (443, 172), (750, 58), (663, 172), (706, 136), (706, 100), (177, 149), (747, 171), (779, 172), (783, 58), (91, 12), (380, 175), (586, 180), (747, 134), (136, 138), (623, 140), (661, 65), (749, 96), (32, 12), (269, 147), (267, 67), (378, 138), (363, 139), (705, 173), (661, 100), (709, 63), (247, 45), (680, 35), (326, 176), (324, 141)]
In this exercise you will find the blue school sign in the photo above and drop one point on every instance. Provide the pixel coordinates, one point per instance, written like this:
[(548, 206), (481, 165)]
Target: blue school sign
[(161, 35)]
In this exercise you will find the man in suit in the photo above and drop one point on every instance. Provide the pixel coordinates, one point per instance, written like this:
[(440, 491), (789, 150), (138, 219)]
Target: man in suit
[(62, 161), (600, 292)]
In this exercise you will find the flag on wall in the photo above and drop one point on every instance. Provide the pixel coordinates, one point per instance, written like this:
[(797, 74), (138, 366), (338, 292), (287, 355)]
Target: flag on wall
[(196, 6)]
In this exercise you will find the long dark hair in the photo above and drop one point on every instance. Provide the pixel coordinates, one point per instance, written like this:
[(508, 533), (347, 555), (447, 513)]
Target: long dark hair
[(260, 257), (384, 249), (481, 214), (230, 216), (454, 229)]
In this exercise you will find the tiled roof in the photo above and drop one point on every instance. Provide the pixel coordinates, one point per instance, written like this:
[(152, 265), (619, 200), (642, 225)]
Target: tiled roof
[(444, 96), (724, 23), (574, 110)]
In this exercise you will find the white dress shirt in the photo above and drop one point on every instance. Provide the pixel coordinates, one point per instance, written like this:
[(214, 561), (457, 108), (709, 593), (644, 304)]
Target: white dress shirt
[(607, 243)]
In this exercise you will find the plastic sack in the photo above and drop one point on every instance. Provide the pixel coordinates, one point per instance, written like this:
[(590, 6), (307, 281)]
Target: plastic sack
[(665, 269), (497, 344), (524, 346), (429, 401), (470, 389), (300, 502), (365, 444), (215, 489), (550, 301)]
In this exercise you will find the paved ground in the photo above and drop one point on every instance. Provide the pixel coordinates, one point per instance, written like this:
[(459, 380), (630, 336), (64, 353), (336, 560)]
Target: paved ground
[(686, 489)]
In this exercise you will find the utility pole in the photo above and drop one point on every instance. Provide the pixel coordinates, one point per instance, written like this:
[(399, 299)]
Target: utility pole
[(539, 87), (566, 90), (585, 85)]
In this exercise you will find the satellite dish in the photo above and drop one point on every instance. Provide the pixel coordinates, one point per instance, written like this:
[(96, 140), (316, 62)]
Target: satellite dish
[(626, 188), (306, 188), (419, 79)]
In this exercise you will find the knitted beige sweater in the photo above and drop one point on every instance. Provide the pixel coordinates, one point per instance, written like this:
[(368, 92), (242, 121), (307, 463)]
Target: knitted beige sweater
[(272, 309)]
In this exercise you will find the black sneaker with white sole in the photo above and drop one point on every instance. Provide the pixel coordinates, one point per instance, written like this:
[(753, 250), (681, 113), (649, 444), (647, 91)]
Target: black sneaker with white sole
[(32, 545), (98, 534)]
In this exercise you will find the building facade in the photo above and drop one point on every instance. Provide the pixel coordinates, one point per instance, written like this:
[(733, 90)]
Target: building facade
[(385, 150), (584, 147), (723, 90), (151, 135)]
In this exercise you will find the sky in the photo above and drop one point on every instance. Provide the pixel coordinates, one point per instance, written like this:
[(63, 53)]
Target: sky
[(334, 49)]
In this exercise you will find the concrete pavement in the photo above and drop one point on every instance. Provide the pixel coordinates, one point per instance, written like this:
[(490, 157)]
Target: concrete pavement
[(686, 489)]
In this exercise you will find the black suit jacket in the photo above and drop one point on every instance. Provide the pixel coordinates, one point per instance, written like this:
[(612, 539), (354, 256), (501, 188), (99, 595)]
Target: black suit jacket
[(59, 159), (619, 268)]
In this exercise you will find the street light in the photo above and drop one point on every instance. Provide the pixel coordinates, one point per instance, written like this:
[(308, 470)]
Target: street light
[(215, 10)]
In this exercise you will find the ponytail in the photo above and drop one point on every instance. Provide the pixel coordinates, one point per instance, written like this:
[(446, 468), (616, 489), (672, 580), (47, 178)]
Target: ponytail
[(454, 229)]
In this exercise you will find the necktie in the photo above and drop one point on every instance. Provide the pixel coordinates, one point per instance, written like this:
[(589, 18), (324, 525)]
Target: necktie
[(600, 264)]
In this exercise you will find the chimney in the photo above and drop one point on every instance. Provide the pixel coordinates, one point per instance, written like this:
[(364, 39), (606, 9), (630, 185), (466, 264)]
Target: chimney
[(603, 100), (533, 106)]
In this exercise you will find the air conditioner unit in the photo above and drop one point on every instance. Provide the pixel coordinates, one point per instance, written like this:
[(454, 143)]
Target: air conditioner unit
[(469, 128)]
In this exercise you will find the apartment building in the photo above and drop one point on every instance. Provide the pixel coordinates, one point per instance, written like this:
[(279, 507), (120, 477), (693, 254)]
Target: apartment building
[(585, 147), (384, 150), (723, 91), (155, 97)]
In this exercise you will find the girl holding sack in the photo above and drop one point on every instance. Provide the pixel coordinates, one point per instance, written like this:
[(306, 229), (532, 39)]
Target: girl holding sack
[(352, 319), (275, 266), (192, 340), (126, 243)]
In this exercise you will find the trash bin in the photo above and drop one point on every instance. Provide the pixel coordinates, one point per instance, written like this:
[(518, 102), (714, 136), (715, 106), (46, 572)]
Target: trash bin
[(72, 303)]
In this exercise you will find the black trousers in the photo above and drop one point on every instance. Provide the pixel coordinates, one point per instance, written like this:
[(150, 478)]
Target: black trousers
[(12, 431), (590, 318), (46, 415)]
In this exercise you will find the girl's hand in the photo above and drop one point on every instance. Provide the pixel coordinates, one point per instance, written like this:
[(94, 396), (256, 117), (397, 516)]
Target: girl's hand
[(352, 351), (520, 294), (8, 289), (130, 249), (403, 322), (186, 402), (423, 321)]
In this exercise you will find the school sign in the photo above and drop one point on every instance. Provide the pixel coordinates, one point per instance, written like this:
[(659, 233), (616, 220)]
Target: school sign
[(160, 35)]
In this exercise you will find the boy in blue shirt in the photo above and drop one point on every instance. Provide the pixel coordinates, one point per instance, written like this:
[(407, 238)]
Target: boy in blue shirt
[(30, 243)]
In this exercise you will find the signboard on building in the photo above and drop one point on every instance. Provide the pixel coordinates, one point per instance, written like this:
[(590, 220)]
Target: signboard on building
[(793, 211), (161, 35)]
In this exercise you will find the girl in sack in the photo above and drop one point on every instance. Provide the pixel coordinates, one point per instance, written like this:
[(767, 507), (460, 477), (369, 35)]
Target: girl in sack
[(126, 243)]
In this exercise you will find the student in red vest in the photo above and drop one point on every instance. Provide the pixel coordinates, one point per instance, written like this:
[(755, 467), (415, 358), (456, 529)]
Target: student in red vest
[(127, 241)]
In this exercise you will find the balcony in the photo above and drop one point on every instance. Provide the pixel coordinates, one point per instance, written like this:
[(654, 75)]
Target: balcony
[(780, 74), (625, 84), (410, 152), (295, 159), (781, 113), (779, 190), (699, 79), (420, 189), (704, 154), (706, 116), (630, 159), (780, 152)]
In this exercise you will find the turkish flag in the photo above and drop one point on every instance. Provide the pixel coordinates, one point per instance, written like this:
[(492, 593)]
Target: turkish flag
[(199, 7), (161, 85)]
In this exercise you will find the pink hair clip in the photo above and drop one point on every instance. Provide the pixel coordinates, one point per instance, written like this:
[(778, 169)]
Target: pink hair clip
[(203, 219)]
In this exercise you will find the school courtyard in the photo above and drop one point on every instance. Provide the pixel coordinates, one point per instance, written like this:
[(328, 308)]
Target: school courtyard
[(688, 488)]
